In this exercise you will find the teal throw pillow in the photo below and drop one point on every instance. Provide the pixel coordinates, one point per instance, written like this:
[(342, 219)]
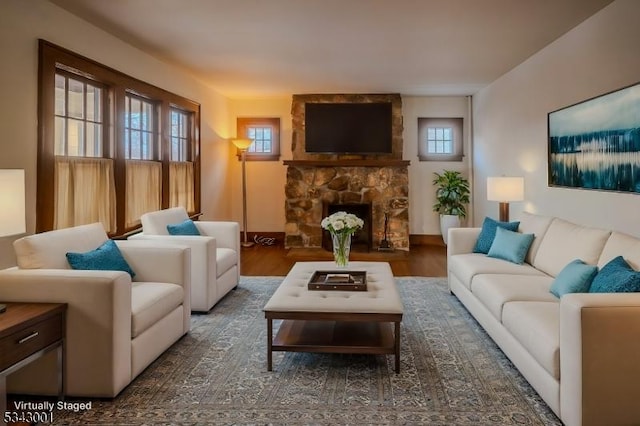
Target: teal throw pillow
[(107, 257), (186, 227), (511, 246), (488, 233), (616, 277), (576, 277)]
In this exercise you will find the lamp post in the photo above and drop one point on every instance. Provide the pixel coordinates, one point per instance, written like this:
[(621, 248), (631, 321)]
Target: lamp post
[(243, 144), (504, 190), (12, 211)]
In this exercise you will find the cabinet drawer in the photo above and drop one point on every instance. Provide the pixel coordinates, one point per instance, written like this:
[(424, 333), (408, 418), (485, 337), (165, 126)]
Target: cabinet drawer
[(21, 344)]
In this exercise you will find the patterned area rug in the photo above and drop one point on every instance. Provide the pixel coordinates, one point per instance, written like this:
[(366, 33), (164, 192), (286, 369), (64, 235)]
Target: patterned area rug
[(451, 373)]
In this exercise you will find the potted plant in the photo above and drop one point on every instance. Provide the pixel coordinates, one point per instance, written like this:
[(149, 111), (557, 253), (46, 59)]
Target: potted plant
[(452, 195)]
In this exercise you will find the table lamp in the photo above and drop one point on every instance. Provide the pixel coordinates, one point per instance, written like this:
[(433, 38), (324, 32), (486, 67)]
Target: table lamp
[(12, 211), (505, 190)]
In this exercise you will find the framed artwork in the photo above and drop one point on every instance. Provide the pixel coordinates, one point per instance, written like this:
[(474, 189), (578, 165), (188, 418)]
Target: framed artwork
[(595, 144)]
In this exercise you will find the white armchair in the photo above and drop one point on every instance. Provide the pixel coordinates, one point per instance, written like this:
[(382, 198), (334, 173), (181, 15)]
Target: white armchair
[(115, 326), (215, 254)]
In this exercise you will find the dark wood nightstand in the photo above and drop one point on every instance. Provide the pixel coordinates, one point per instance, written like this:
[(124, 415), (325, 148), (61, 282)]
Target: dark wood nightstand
[(27, 332)]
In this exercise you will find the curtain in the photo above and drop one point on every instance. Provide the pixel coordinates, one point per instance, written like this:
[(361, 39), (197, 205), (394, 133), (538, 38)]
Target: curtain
[(181, 190), (144, 189), (84, 192)]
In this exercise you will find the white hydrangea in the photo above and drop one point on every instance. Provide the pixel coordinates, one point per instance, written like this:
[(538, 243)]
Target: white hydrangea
[(342, 223)]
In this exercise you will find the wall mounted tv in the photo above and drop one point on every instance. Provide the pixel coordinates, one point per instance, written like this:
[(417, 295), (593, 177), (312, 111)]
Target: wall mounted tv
[(348, 128)]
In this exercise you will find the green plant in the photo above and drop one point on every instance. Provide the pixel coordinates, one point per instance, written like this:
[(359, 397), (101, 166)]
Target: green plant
[(452, 193)]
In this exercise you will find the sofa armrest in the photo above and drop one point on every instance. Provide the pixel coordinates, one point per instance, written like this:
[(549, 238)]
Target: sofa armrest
[(227, 234), (599, 352), (98, 327), (167, 263), (462, 240)]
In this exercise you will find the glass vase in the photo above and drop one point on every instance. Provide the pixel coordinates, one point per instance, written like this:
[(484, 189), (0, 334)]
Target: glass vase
[(341, 249)]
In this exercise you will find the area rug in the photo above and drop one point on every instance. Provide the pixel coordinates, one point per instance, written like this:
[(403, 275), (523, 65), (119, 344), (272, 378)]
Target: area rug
[(451, 374)]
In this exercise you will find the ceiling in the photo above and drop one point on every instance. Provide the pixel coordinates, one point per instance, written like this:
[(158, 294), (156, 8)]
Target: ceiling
[(260, 48)]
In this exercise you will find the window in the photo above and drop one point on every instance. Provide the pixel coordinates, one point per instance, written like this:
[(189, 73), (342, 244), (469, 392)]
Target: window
[(108, 150), (139, 131), (440, 139), (78, 116), (265, 133)]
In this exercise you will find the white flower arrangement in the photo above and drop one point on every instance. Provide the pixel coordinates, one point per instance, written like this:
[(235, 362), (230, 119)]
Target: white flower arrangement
[(342, 223)]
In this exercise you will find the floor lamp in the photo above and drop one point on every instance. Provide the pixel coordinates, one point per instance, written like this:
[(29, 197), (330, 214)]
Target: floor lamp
[(243, 145), (504, 190)]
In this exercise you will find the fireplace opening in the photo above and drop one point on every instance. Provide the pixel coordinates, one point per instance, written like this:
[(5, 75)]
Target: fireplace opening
[(361, 240)]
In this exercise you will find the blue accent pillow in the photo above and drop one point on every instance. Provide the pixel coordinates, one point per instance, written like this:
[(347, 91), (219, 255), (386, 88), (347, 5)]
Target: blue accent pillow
[(576, 277), (186, 227), (511, 246), (107, 257), (488, 233), (616, 277)]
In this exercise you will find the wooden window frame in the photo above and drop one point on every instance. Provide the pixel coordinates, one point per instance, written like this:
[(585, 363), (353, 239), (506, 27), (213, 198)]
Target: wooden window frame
[(117, 84), (243, 123)]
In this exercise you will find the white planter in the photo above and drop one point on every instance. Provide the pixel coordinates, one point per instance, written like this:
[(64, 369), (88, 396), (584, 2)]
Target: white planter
[(448, 221)]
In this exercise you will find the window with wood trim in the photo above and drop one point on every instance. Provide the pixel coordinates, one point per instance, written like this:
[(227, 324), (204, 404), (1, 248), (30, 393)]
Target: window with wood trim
[(106, 148), (265, 134), (440, 139)]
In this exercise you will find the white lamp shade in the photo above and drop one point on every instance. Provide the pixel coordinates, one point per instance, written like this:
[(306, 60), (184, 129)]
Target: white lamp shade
[(12, 211), (242, 143), (505, 189)]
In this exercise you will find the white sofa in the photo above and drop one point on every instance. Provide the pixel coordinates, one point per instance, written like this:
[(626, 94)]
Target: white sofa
[(581, 352), (215, 254), (115, 327)]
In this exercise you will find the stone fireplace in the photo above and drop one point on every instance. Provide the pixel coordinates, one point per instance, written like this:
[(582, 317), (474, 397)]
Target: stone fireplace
[(315, 181)]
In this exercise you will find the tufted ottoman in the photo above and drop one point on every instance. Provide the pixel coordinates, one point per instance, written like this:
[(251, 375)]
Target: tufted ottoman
[(359, 322)]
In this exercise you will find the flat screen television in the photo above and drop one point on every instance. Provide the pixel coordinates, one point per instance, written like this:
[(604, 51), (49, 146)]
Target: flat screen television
[(348, 128)]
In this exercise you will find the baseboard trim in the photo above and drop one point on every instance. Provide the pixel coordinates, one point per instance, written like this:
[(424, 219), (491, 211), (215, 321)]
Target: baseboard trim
[(426, 240)]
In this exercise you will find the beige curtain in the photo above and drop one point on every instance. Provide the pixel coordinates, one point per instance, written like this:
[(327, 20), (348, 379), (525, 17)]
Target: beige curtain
[(85, 192), (181, 190), (144, 190)]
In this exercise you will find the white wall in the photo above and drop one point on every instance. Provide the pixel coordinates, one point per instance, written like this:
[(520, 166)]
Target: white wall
[(422, 218), (510, 118), (22, 23), (265, 179)]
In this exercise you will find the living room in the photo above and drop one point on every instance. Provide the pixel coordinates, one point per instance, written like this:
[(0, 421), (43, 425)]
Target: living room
[(508, 117)]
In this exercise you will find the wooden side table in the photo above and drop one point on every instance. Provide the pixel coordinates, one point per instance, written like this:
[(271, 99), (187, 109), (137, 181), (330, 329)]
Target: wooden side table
[(27, 332)]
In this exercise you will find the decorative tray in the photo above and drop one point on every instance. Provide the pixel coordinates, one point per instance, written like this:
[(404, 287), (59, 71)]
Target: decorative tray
[(338, 280)]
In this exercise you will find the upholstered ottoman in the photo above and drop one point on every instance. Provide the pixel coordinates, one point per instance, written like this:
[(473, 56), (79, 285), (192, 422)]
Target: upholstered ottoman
[(329, 321)]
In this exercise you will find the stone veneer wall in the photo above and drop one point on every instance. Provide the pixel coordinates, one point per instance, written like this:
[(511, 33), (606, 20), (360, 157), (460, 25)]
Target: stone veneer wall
[(298, 116), (344, 180), (386, 188)]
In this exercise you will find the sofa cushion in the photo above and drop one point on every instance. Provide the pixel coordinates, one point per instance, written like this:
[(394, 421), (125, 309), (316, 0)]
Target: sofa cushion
[(186, 227), (225, 259), (155, 223), (48, 250), (536, 325), (496, 290), (616, 277), (107, 257), (468, 265), (150, 302), (510, 246), (537, 225), (620, 244), (576, 277), (488, 233), (565, 241)]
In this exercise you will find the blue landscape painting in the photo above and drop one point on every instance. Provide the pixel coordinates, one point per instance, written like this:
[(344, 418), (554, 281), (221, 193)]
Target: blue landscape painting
[(596, 144)]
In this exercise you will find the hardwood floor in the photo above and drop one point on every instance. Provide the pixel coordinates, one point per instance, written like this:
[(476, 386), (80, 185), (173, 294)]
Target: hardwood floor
[(422, 260)]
